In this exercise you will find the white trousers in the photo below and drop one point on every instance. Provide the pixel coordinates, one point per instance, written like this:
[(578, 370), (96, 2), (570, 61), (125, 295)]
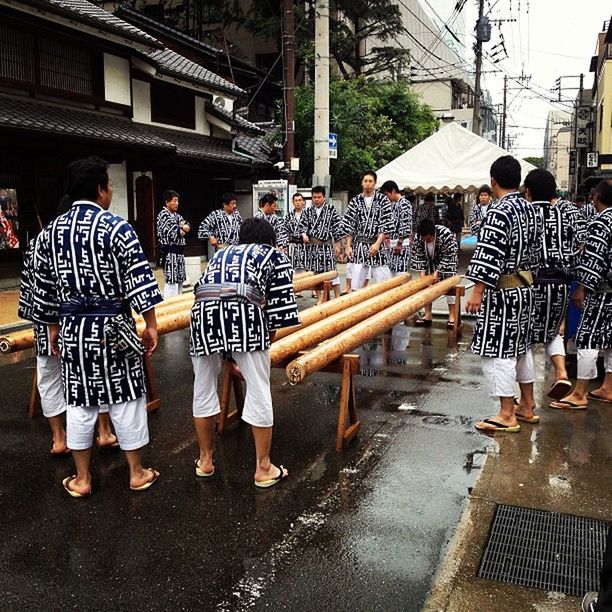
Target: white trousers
[(172, 289), (129, 420), (362, 272), (587, 363), (49, 382), (501, 375), (255, 368), (555, 346)]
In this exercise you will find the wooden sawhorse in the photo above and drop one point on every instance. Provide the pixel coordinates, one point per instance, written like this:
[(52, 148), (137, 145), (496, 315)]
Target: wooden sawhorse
[(348, 425), (457, 292)]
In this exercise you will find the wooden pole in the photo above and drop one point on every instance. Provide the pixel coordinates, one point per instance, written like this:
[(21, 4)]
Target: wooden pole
[(301, 275), (371, 327), (312, 282), (331, 326)]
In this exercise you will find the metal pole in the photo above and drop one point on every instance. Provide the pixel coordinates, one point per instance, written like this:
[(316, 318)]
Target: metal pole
[(476, 119), (504, 113), (321, 120), (289, 84)]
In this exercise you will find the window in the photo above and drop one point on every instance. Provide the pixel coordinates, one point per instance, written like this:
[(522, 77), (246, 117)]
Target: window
[(172, 105)]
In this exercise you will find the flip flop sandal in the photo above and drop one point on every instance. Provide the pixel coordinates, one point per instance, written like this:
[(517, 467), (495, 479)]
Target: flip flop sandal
[(598, 398), (266, 484), (200, 473), (560, 389), (497, 427), (423, 323), (567, 405), (66, 484), (534, 419), (149, 483), (66, 453)]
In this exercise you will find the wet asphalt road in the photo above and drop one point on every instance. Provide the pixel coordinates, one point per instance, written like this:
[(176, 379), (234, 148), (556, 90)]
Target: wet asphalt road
[(364, 530)]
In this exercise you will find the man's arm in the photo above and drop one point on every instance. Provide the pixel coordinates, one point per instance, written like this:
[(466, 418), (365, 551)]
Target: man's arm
[(149, 335)]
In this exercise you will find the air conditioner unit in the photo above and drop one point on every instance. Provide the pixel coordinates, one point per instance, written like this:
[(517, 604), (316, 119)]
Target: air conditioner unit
[(219, 101)]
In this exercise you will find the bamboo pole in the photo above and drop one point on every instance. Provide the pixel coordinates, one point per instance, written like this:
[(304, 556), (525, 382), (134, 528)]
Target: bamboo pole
[(321, 311), (312, 282), (301, 275), (19, 341), (354, 337), (331, 326)]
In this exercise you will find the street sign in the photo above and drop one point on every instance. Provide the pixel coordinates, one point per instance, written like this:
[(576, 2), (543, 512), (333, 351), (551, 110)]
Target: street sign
[(572, 162), (583, 118), (592, 160), (333, 145)]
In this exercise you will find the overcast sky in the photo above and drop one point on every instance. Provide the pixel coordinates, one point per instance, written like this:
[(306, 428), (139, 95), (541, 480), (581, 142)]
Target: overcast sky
[(550, 38)]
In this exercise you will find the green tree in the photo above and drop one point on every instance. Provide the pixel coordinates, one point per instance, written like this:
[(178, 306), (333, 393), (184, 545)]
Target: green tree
[(375, 123), (538, 162)]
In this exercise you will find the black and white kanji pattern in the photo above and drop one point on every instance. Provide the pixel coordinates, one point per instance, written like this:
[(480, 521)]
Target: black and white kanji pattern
[(576, 217), (423, 211), (282, 239), (42, 343), (361, 221), (509, 240), (169, 235), (589, 211), (594, 272), (297, 248), (91, 253), (477, 216), (560, 250), (229, 325), (402, 230), (444, 258), (225, 228), (321, 224)]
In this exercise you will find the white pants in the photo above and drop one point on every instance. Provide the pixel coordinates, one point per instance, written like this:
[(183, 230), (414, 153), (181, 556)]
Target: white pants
[(129, 420), (49, 382), (362, 272), (501, 375), (555, 346), (587, 363), (172, 289), (255, 368)]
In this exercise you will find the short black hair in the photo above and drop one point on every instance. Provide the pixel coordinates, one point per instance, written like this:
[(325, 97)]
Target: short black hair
[(296, 194), (603, 191), (84, 176), (485, 189), (269, 198), (318, 189), (228, 197), (430, 197), (541, 184), (168, 195), (257, 231), (369, 173), (580, 199), (389, 186), (427, 228), (506, 171), (457, 196), (64, 205)]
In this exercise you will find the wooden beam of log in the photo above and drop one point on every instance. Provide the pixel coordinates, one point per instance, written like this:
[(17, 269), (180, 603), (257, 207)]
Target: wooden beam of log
[(301, 275), (312, 282), (321, 311), (333, 325), (18, 341), (371, 327)]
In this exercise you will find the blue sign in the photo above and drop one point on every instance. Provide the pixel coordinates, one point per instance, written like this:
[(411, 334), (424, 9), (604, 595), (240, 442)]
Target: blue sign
[(333, 140)]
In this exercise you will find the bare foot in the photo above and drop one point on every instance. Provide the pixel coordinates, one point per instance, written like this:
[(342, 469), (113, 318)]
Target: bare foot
[(525, 411), (107, 440), (77, 487), (143, 477), (271, 473), (59, 447), (205, 463), (497, 423)]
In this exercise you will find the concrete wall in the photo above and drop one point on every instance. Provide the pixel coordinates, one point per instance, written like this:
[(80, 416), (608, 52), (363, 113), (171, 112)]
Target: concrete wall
[(603, 136), (117, 79), (437, 94), (119, 205), (142, 101)]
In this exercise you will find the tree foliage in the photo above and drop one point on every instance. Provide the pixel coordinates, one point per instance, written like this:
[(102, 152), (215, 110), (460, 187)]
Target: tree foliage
[(375, 123), (538, 162)]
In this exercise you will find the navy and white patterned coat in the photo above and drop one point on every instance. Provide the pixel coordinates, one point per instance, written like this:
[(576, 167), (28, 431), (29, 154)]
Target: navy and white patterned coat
[(360, 221), (477, 216), (575, 216), (297, 248), (326, 226), (225, 228), (169, 235), (509, 240), (91, 253), (402, 229), (282, 239), (423, 211), (559, 250), (595, 329), (444, 258), (42, 344), (241, 326)]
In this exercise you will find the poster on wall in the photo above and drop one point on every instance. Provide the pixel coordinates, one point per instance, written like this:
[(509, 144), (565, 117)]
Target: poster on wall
[(9, 219), (280, 188)]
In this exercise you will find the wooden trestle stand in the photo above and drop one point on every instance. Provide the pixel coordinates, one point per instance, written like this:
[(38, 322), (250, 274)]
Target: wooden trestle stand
[(348, 425), (458, 292)]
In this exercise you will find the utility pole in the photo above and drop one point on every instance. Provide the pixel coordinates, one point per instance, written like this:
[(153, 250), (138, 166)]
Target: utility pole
[(483, 34), (502, 144), (321, 119), (289, 85)]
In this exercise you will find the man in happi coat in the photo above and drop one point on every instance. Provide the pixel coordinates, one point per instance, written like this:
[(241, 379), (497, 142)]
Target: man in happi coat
[(559, 253), (367, 222), (479, 210), (434, 251), (267, 211), (321, 230), (245, 294), (91, 272), (594, 295), (297, 247), (425, 210), (399, 252), (48, 365), (222, 226), (171, 232), (502, 268)]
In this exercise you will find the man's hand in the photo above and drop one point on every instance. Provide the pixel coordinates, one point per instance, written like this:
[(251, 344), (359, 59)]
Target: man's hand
[(305, 238), (54, 339), (398, 247), (578, 297), (348, 251), (475, 302), (149, 335), (186, 228), (213, 242), (272, 335), (436, 276), (373, 250)]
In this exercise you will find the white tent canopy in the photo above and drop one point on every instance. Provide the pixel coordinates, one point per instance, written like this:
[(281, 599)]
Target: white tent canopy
[(452, 159)]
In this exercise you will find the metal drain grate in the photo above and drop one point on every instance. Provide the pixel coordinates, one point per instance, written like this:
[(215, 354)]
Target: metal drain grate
[(544, 550)]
